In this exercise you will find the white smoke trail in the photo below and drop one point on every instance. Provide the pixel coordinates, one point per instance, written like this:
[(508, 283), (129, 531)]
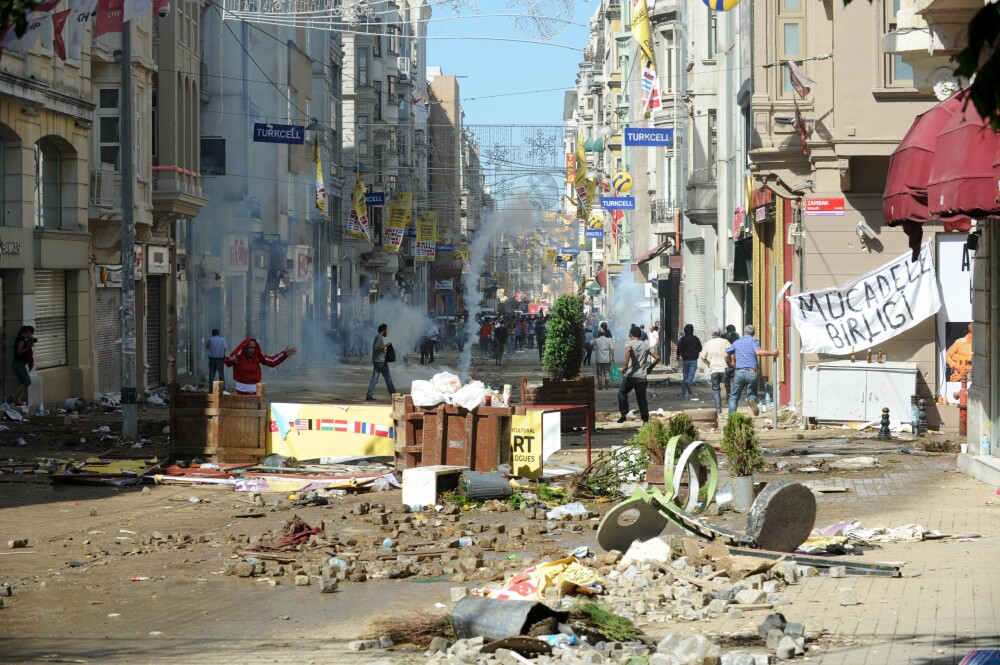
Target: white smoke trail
[(628, 305)]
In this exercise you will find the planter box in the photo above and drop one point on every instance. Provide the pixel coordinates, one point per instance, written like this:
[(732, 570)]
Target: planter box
[(575, 392), (217, 427)]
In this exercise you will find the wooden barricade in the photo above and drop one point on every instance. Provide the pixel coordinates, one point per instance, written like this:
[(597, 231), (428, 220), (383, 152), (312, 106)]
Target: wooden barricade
[(576, 392), (217, 427)]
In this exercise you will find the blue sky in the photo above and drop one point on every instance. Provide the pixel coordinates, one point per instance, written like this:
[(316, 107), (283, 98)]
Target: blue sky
[(501, 68)]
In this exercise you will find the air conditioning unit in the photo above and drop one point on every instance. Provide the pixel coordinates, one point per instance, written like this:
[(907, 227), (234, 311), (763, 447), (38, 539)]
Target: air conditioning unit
[(403, 64)]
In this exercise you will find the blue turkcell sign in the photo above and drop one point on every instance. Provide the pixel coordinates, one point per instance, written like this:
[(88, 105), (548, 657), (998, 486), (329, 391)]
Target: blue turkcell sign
[(618, 203), (570, 250), (375, 198), (271, 133), (445, 248), (651, 136), (594, 233)]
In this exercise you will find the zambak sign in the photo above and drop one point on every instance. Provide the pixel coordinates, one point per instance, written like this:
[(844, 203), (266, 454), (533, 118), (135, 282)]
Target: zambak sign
[(868, 310)]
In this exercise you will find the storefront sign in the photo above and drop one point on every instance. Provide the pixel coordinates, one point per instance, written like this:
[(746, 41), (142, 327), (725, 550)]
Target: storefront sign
[(375, 198), (238, 257), (652, 136), (301, 263), (444, 285), (271, 133), (868, 310), (955, 318), (618, 202), (11, 248), (157, 260), (594, 233), (827, 207), (570, 250), (526, 444)]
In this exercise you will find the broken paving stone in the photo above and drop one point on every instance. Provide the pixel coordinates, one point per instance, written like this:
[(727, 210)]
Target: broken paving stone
[(785, 649), (795, 630), (734, 613), (437, 645), (458, 593), (17, 544), (773, 638), (848, 596), (245, 569), (718, 605), (770, 586), (301, 580), (364, 645), (779, 599), (750, 597), (773, 621), (146, 490), (385, 641), (838, 571), (328, 585), (739, 658)]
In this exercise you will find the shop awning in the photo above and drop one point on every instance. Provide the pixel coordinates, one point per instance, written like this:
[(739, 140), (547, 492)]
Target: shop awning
[(653, 253), (602, 278), (593, 288)]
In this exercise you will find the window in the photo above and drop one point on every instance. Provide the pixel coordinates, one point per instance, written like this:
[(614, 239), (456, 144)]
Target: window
[(666, 74), (376, 29), (379, 163), (377, 85), (362, 76), (390, 89), (898, 74), (713, 32), (393, 31), (713, 141), (791, 38), (362, 135), (108, 122), (48, 185), (213, 156), (335, 75)]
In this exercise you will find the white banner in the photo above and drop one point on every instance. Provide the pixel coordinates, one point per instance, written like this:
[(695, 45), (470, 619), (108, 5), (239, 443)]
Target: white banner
[(868, 310)]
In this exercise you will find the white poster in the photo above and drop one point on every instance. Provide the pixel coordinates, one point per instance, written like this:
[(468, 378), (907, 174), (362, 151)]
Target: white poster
[(955, 318), (868, 310)]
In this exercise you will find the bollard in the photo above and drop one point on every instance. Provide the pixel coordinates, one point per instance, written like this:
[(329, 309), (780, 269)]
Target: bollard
[(922, 421), (962, 396), (883, 432)]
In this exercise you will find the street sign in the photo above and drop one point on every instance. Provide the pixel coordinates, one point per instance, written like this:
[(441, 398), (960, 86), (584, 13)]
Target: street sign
[(445, 248), (569, 250), (618, 203), (827, 207), (375, 198), (271, 133), (652, 136), (594, 233)]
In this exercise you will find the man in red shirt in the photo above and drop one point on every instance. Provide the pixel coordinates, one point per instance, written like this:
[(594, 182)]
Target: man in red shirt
[(485, 336), (246, 360)]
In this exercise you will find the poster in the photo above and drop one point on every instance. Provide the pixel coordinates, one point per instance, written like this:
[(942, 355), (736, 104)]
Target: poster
[(526, 445), (313, 431), (955, 318), (357, 222), (397, 221), (870, 309), (426, 236), (550, 257)]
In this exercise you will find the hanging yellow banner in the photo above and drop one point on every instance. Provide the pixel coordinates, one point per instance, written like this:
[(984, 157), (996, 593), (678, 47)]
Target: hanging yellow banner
[(426, 236), (397, 221), (550, 257), (357, 222)]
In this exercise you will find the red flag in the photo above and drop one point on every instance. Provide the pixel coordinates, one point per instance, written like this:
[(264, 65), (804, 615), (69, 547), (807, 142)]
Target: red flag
[(800, 125), (58, 23), (110, 17), (800, 82), (161, 7)]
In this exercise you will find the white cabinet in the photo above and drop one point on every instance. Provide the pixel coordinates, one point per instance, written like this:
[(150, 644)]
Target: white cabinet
[(842, 390)]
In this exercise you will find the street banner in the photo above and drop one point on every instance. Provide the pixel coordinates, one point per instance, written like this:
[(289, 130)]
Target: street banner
[(313, 431), (357, 222), (426, 236), (868, 310), (397, 221), (550, 257), (580, 177)]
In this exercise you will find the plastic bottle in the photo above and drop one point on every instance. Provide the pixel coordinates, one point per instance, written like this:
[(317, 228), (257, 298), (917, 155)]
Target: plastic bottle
[(869, 356), (984, 445), (465, 541), (387, 543), (881, 358), (560, 640)]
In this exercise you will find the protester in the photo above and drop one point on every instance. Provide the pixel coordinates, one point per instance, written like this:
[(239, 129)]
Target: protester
[(246, 360), (588, 344), (742, 355), (654, 337), (24, 362), (604, 355), (540, 333), (216, 345), (714, 355), (637, 355), (380, 348), (433, 335), (688, 349), (731, 336), (499, 342), (485, 337)]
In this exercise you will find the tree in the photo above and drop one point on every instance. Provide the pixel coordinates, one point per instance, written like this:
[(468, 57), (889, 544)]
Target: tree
[(564, 338), (16, 12)]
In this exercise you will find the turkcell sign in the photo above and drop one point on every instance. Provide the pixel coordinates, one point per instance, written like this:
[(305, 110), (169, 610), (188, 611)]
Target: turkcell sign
[(618, 203), (570, 250), (594, 233), (375, 198), (446, 248), (271, 133), (653, 136)]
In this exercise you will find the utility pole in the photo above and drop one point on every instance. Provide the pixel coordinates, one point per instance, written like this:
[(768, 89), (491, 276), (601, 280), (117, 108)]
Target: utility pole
[(129, 424)]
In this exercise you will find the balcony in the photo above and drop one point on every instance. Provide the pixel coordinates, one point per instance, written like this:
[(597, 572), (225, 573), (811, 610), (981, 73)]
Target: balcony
[(663, 216), (702, 196), (177, 191), (105, 191)]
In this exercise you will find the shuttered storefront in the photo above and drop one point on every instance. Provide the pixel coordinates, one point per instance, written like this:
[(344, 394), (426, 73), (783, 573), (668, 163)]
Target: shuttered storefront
[(282, 333), (50, 318), (109, 345), (153, 289), (696, 288)]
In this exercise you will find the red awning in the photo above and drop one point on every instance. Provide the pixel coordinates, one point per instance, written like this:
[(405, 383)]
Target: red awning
[(656, 251), (996, 173), (602, 278), (961, 182)]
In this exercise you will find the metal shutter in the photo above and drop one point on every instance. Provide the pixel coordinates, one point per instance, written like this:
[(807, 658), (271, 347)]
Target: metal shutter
[(50, 318), (284, 302), (109, 343), (696, 288), (153, 289), (255, 311)]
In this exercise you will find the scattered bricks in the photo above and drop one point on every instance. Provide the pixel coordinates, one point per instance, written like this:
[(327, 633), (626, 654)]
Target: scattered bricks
[(380, 519), (327, 584), (779, 599), (800, 645), (516, 531), (245, 569), (750, 597), (848, 596), (385, 641), (146, 490), (795, 630), (363, 645), (458, 593), (437, 645), (775, 620), (754, 581), (681, 563), (790, 572), (727, 593), (471, 564), (737, 658), (773, 639), (360, 509), (786, 649), (718, 606), (451, 509), (771, 586), (838, 571), (17, 544), (6, 589), (156, 535), (734, 613), (303, 580), (807, 571), (499, 528)]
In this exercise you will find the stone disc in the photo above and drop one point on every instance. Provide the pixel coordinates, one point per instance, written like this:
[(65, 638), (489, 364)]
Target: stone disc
[(627, 522), (782, 516)]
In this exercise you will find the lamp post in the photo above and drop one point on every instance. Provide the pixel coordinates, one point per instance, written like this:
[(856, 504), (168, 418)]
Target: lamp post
[(129, 414)]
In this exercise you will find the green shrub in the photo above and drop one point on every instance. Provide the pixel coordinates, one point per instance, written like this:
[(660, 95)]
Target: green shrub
[(564, 339), (740, 444)]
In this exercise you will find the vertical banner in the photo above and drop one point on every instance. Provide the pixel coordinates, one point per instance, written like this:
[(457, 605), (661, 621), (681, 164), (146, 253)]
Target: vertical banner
[(583, 233), (397, 221), (357, 222), (550, 257), (526, 444), (426, 236), (955, 318)]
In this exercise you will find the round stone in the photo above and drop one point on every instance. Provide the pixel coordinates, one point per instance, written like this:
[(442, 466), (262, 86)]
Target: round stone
[(782, 516)]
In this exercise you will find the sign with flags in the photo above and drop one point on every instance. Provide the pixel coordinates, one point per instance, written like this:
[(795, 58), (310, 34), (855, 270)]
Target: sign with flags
[(549, 257), (313, 431), (650, 90), (580, 181), (357, 221), (320, 185), (426, 247), (397, 221)]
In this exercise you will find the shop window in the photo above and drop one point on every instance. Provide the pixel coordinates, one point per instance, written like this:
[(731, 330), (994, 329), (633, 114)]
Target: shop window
[(48, 185)]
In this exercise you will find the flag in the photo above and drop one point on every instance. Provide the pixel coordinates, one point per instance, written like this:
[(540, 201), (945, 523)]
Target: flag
[(650, 90), (110, 17), (421, 108), (397, 221), (800, 125), (641, 31), (340, 425), (800, 82), (320, 186), (162, 8), (136, 9), (426, 247), (381, 430), (76, 28), (38, 24), (357, 222), (326, 425), (303, 423), (361, 428), (58, 23)]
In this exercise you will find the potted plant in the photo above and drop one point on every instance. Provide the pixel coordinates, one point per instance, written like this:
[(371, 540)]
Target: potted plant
[(742, 447)]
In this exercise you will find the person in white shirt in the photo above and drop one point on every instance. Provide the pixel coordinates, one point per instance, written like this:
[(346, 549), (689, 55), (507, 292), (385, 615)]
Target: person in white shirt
[(654, 337), (714, 355), (604, 355)]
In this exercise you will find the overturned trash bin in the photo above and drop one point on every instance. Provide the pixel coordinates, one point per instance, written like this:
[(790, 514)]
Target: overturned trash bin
[(484, 485), (494, 619)]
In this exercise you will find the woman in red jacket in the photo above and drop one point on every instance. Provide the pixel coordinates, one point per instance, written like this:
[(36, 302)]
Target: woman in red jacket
[(246, 360)]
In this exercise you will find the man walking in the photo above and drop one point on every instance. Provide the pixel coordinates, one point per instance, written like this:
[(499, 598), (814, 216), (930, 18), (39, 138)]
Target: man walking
[(216, 346), (688, 349), (743, 355), (380, 345), (540, 334), (714, 355), (604, 355), (637, 355), (499, 342)]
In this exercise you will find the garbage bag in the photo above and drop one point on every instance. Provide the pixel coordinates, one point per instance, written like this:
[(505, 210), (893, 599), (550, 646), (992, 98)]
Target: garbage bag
[(470, 395), (446, 382), (424, 394), (615, 374), (567, 512)]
